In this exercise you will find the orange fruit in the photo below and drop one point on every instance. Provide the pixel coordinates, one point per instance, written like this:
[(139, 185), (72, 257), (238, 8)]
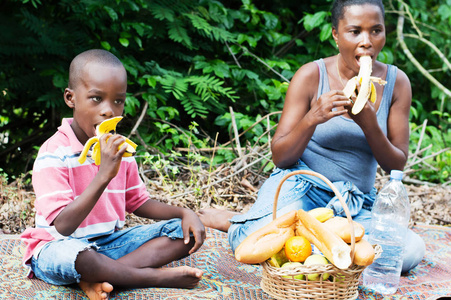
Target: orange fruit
[(298, 248)]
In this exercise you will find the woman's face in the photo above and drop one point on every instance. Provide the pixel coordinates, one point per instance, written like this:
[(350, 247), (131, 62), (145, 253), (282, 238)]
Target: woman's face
[(360, 32)]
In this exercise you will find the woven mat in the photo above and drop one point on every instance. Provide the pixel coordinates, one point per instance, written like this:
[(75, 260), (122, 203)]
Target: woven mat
[(225, 278), (431, 279)]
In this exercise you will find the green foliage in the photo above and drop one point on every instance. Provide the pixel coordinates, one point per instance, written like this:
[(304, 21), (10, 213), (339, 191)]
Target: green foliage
[(434, 168), (189, 60)]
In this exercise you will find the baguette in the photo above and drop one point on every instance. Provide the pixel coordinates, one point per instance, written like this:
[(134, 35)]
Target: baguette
[(340, 226), (364, 253), (267, 241), (328, 242)]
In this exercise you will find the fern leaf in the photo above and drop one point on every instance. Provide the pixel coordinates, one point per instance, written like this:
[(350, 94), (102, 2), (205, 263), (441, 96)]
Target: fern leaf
[(178, 33), (194, 106), (210, 88), (200, 24), (212, 32), (174, 85), (161, 12), (223, 35)]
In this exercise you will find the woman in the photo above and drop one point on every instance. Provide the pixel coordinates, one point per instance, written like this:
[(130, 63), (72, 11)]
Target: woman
[(317, 131)]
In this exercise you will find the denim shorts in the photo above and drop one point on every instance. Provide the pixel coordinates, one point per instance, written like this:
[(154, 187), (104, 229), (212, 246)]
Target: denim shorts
[(56, 260)]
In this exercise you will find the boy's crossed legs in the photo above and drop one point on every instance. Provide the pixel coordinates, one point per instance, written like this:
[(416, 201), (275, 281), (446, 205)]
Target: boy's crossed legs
[(138, 269), (127, 258)]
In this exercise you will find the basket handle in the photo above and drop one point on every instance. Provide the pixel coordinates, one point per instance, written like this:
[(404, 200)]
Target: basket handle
[(334, 189)]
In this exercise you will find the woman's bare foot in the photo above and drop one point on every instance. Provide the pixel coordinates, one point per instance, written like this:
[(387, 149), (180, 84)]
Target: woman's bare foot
[(96, 291), (181, 277), (216, 218)]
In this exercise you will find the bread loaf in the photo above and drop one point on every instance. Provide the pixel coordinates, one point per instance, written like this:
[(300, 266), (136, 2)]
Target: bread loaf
[(327, 241), (364, 253), (267, 241), (341, 227)]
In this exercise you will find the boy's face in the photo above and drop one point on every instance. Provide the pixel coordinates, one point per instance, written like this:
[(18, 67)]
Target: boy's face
[(99, 95)]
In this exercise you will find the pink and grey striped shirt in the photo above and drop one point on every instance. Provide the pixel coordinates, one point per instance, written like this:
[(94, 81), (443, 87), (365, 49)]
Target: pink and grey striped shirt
[(58, 179)]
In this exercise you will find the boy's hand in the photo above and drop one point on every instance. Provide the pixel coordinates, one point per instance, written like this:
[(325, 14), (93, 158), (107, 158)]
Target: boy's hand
[(111, 154), (192, 223)]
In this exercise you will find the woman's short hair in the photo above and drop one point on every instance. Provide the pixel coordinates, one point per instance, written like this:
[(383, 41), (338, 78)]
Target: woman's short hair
[(339, 6)]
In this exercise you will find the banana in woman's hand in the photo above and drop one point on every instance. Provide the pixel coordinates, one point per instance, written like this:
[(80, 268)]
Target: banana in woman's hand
[(367, 88), (107, 126)]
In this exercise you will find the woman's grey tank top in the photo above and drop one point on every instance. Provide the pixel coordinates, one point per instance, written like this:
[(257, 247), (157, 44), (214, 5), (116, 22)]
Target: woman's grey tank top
[(338, 148)]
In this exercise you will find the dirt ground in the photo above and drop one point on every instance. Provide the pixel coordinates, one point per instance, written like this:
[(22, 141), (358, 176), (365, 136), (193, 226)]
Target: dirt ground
[(225, 188)]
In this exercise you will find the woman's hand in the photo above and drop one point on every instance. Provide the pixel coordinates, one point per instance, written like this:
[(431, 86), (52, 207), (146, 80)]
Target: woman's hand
[(366, 116), (390, 149), (302, 112), (192, 224), (327, 106)]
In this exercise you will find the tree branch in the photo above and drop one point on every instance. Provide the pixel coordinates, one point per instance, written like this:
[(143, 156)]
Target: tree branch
[(433, 46), (400, 38), (260, 60)]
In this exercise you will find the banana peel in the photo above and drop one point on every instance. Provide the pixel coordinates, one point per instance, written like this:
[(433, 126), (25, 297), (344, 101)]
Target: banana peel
[(107, 126), (367, 88)]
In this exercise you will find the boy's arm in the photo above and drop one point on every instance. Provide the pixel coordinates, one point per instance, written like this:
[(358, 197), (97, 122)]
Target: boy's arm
[(75, 212), (191, 223)]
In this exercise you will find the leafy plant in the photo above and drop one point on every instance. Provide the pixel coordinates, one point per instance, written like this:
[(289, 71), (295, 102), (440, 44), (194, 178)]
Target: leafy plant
[(431, 153), (193, 60)]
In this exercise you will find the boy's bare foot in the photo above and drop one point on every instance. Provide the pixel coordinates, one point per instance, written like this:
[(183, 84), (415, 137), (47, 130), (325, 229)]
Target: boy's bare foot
[(181, 277), (96, 291), (216, 218)]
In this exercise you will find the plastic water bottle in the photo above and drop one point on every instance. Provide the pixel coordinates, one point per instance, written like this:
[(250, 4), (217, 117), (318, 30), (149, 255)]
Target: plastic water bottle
[(389, 222)]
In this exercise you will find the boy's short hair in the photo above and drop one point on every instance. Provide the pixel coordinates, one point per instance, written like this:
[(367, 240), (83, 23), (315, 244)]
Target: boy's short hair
[(94, 55)]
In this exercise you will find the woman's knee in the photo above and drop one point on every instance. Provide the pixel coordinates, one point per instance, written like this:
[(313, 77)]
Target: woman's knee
[(413, 252)]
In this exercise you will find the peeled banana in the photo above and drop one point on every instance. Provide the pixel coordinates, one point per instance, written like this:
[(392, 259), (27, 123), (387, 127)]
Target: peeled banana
[(107, 126), (367, 88)]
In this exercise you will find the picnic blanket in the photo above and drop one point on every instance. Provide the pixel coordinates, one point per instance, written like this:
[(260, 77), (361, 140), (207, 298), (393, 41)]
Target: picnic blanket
[(225, 278)]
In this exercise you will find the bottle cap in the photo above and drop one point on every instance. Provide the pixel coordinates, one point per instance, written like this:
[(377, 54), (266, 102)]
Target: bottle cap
[(396, 174)]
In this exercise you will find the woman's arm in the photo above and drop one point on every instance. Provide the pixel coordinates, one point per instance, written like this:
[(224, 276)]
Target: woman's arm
[(391, 151), (301, 114)]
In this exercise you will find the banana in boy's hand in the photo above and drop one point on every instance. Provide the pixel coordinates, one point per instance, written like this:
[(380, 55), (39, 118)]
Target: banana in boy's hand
[(107, 126)]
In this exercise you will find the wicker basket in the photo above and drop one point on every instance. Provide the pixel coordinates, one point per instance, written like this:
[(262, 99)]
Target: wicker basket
[(292, 283)]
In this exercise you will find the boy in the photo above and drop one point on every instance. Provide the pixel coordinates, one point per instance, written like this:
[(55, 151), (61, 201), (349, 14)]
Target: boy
[(81, 207)]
